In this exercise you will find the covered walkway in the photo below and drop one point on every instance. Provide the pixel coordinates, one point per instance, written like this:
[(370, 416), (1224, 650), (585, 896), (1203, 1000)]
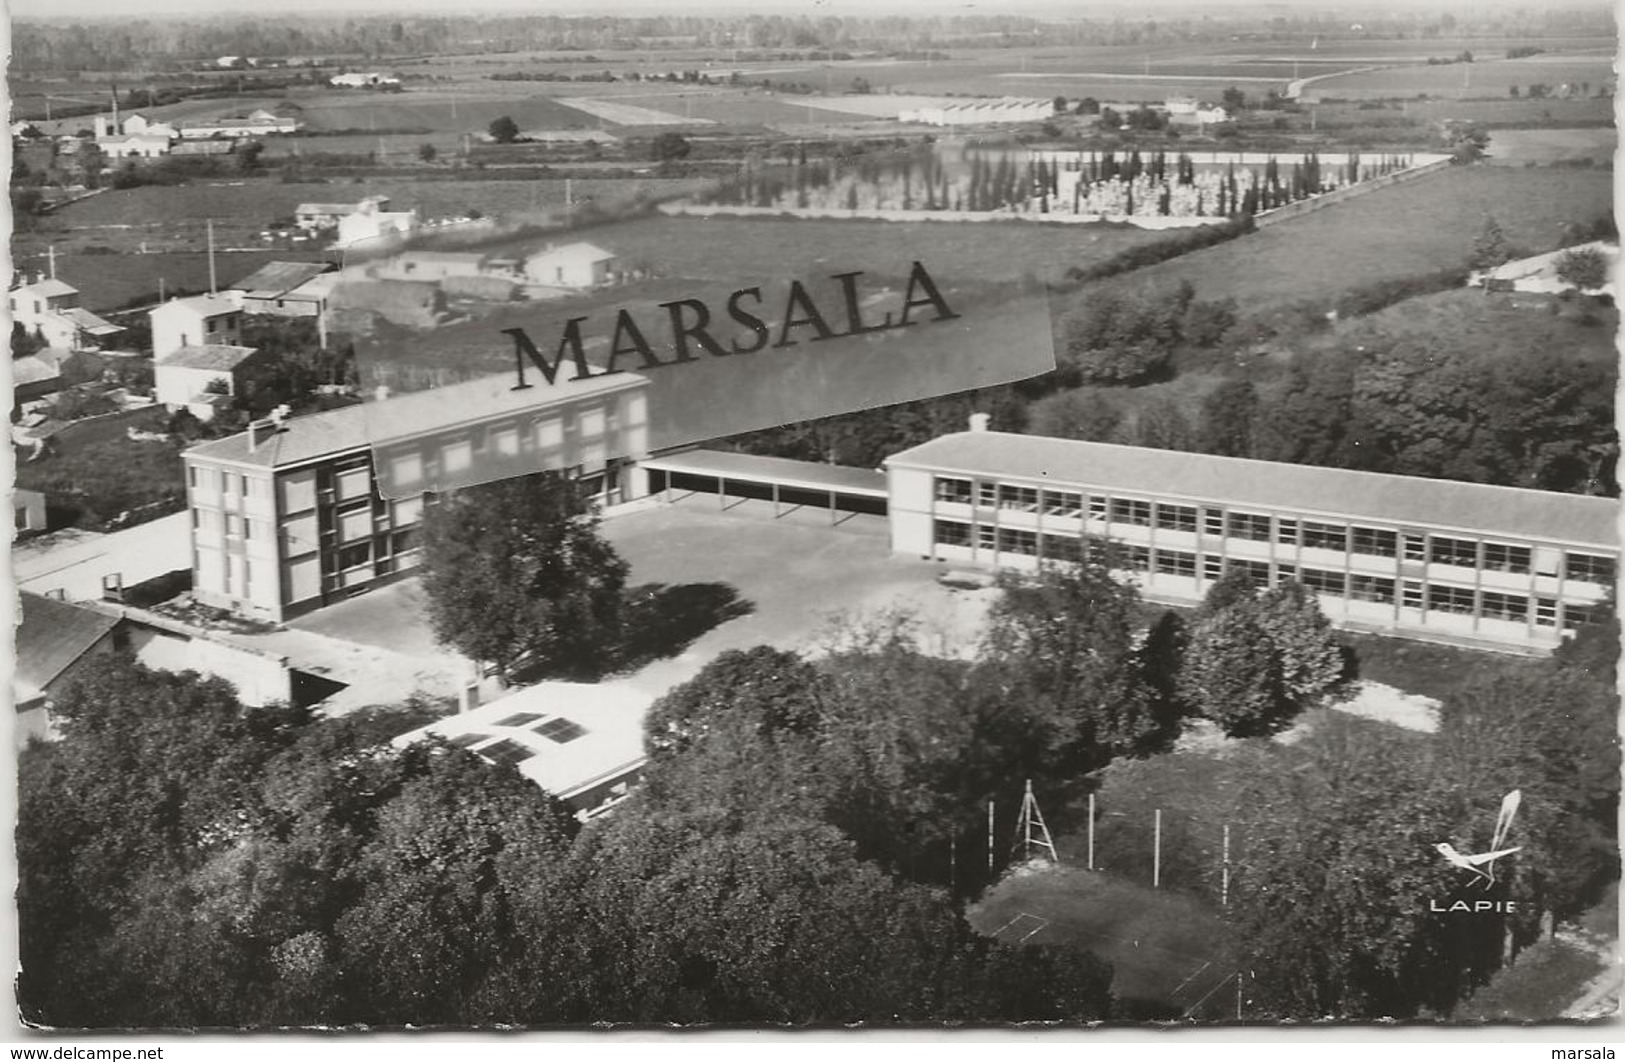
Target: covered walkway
[(789, 485)]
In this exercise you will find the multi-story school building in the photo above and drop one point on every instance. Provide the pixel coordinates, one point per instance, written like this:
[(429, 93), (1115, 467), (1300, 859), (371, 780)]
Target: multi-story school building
[(1492, 566), (289, 516)]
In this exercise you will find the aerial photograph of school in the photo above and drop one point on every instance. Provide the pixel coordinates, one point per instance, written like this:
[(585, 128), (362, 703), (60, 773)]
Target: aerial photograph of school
[(814, 514)]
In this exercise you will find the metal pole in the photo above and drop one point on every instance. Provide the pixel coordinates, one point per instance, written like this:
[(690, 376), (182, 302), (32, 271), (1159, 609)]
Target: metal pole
[(1238, 995), (212, 285), (1224, 893), (1091, 831), (953, 862), (1156, 853)]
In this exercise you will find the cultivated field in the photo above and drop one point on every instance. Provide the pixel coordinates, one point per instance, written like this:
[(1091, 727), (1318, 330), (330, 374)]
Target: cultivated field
[(1472, 79), (1422, 226), (1517, 146)]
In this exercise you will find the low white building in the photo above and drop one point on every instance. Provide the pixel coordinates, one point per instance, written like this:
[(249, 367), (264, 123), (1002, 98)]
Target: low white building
[(313, 216), (370, 225), (260, 123), (196, 321), (980, 112), (571, 265), (582, 743), (359, 80)]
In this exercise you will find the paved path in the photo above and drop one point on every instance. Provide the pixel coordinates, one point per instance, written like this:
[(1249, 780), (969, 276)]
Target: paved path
[(76, 563)]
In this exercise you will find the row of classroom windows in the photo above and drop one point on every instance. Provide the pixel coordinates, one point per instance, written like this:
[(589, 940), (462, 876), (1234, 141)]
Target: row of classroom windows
[(392, 547), (1258, 527), (1356, 587)]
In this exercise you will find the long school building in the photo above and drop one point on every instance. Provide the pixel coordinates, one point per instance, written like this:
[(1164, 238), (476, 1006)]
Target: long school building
[(1467, 563), (289, 517)]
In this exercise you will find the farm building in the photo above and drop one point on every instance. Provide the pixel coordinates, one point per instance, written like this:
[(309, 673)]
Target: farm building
[(183, 378), (141, 125), (574, 265), (193, 321), (260, 123), (126, 144), (372, 225), (262, 499), (980, 112), (582, 743), (1489, 566), (1538, 274), (1186, 110), (404, 302), (53, 643), (203, 147), (359, 80), (313, 216), (279, 289)]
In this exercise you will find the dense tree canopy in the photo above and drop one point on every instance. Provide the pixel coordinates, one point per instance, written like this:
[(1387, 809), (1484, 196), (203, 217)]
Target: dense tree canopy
[(515, 569)]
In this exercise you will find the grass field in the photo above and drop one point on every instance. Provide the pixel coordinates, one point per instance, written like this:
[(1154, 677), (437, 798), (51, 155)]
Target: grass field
[(1422, 226), (1472, 79), (1167, 950), (1518, 146)]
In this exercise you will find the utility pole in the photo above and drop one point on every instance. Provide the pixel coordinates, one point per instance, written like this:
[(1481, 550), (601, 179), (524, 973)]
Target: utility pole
[(990, 836), (1156, 852), (1091, 831), (1224, 890), (50, 253), (211, 257)]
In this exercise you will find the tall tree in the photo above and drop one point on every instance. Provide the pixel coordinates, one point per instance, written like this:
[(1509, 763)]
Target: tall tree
[(516, 569)]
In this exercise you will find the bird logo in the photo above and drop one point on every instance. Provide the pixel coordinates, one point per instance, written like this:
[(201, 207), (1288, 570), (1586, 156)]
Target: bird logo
[(1483, 866)]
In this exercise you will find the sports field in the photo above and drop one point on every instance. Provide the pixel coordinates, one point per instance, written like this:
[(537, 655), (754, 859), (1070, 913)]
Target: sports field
[(1169, 951)]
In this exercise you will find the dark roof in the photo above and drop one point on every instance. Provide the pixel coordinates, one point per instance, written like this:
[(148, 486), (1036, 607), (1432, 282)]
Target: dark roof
[(54, 634), (403, 417), (809, 475), (1337, 493), (91, 323), (277, 278), (219, 356)]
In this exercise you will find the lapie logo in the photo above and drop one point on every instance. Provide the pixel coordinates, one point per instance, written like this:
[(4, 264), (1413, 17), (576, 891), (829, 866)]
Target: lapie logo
[(1483, 866)]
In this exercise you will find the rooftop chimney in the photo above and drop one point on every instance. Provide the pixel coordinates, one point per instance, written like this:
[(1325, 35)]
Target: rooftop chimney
[(261, 430), (978, 421)]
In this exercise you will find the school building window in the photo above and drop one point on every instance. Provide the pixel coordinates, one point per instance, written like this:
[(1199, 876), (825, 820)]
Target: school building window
[(953, 490), (1450, 599), (1129, 511), (1461, 552), (1024, 499), (1176, 562), (1249, 526), (1500, 557), (1375, 542), (1505, 606), (1371, 588), (1324, 582), (1065, 548), (1014, 540), (1177, 517), (1325, 536), (950, 533), (1589, 568), (1062, 503)]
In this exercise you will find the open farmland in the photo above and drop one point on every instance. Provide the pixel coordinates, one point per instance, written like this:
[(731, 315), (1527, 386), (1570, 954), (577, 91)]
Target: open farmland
[(175, 217), (1472, 79), (1518, 146), (108, 281), (749, 249), (1422, 226)]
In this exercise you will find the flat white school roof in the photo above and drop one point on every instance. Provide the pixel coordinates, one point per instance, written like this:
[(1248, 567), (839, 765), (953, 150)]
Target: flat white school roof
[(565, 736), (1337, 493)]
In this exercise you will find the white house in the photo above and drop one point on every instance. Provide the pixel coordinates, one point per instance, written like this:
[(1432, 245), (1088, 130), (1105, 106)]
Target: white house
[(573, 265), (31, 304), (260, 123), (141, 125), (370, 225), (183, 377), (200, 320)]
